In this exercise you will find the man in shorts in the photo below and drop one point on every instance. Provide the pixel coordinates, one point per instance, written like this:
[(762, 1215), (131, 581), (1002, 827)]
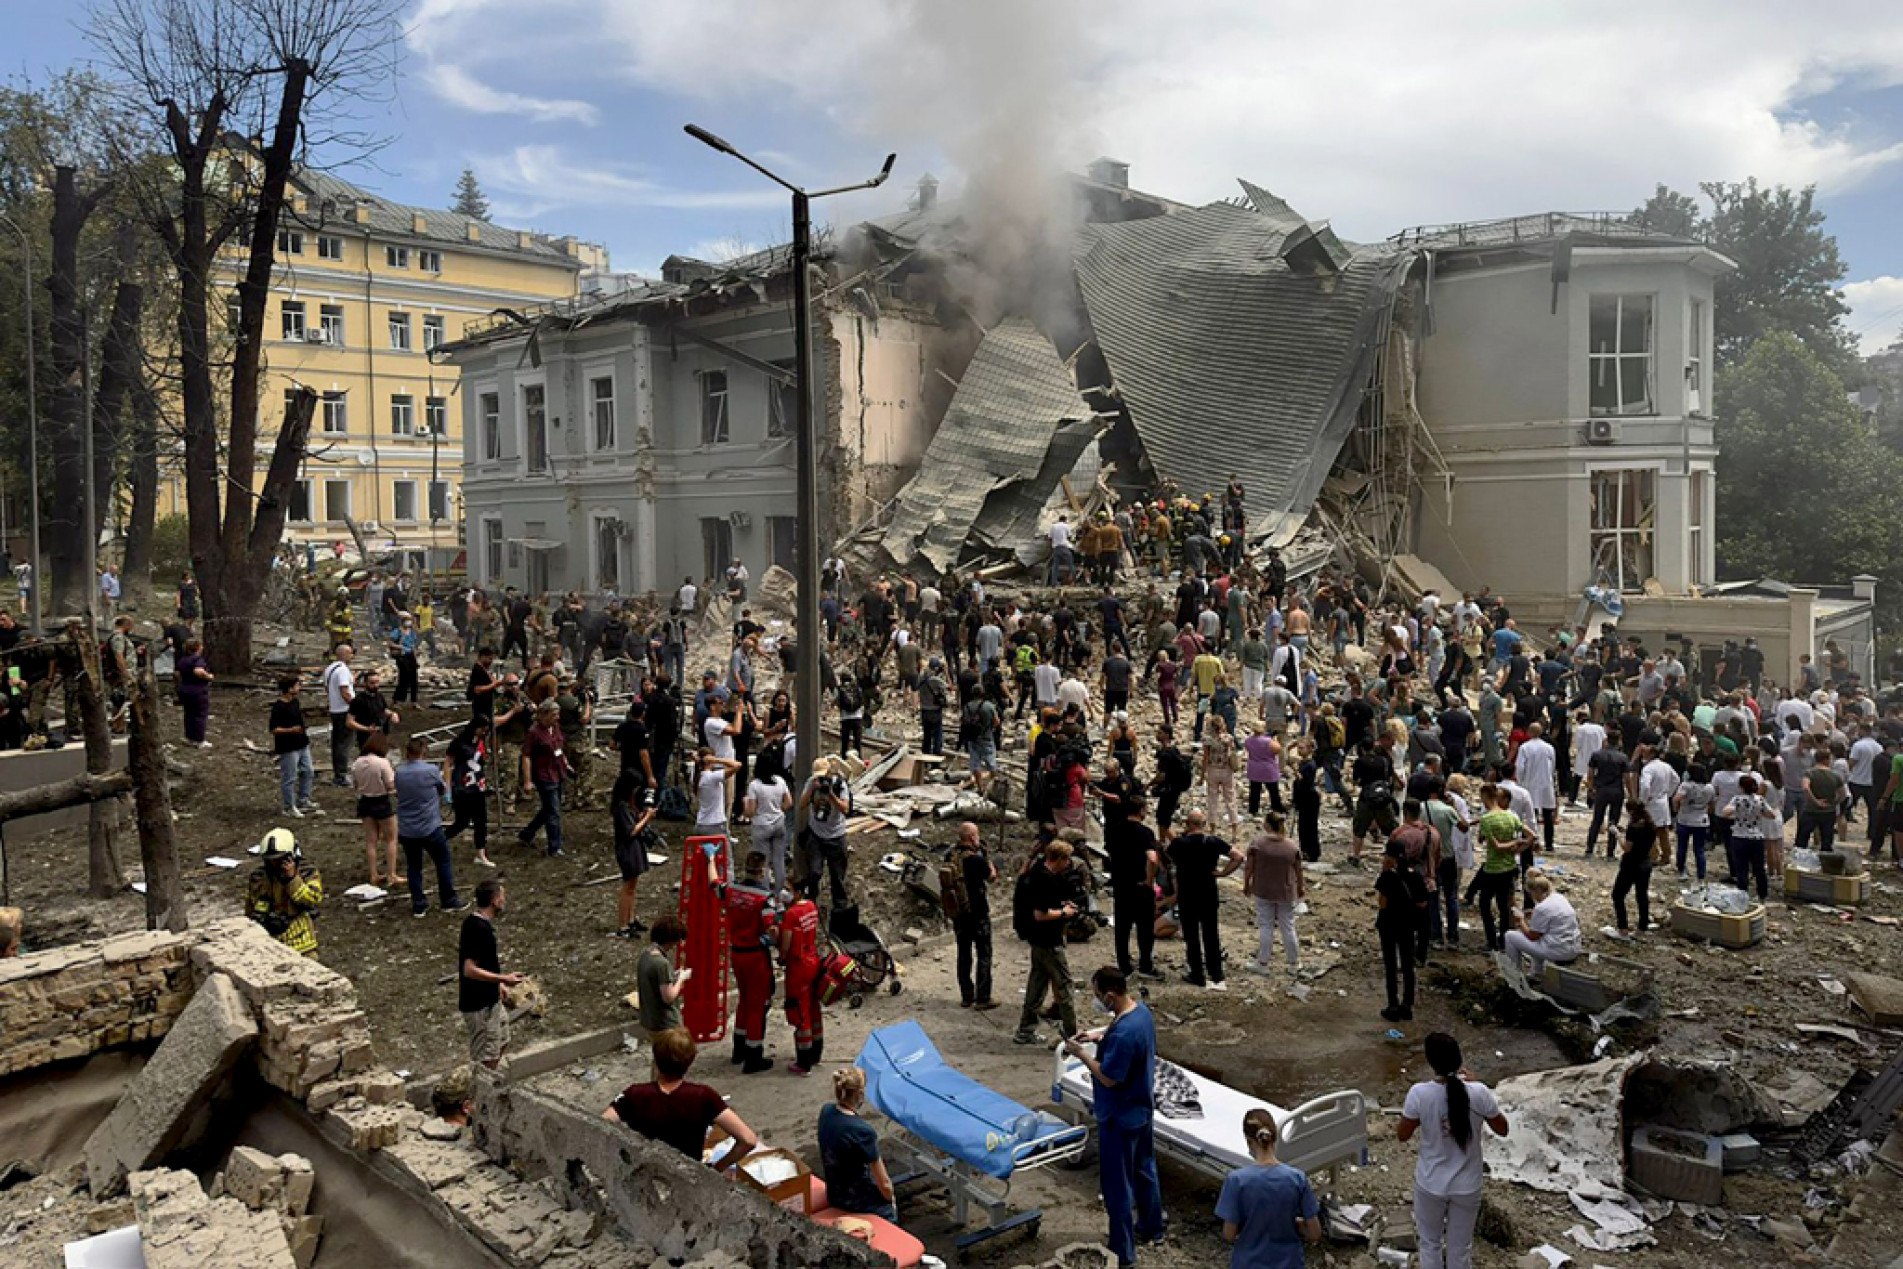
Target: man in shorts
[(480, 979)]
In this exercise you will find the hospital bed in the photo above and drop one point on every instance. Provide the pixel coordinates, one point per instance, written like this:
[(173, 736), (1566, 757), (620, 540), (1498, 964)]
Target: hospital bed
[(1198, 1122), (952, 1130)]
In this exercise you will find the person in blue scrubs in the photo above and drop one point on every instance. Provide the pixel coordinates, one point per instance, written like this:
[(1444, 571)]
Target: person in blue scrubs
[(1267, 1210), (1123, 1080)]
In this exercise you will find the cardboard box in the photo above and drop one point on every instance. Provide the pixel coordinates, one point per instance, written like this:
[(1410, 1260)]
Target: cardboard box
[(796, 1188), (1820, 888), (1726, 929)]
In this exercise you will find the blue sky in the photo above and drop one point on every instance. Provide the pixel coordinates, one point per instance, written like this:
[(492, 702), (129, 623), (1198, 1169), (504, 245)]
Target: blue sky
[(570, 110)]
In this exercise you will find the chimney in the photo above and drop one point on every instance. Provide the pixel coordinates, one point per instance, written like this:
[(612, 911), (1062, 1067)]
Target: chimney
[(524, 239), (927, 192), (418, 224), (475, 231), (360, 213), (1864, 586), (1113, 172)]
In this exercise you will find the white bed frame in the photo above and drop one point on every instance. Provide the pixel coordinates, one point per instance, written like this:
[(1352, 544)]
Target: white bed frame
[(1318, 1136)]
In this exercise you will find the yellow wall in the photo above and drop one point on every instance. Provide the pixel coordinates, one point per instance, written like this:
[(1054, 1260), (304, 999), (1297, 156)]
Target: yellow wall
[(368, 455)]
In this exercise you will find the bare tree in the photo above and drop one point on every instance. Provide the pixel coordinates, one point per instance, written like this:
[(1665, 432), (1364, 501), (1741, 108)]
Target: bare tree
[(243, 92)]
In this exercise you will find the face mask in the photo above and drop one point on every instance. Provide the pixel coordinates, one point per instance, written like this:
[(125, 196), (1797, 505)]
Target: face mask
[(1102, 1006)]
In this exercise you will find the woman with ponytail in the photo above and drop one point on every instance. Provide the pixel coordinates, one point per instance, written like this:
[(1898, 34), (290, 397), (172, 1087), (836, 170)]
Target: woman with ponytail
[(1447, 1111), (1267, 1210), (855, 1175)]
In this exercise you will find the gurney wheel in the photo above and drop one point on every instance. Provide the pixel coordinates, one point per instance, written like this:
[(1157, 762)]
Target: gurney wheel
[(855, 1000), (895, 988)]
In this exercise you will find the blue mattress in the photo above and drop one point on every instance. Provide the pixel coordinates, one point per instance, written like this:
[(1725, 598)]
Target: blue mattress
[(909, 1083)]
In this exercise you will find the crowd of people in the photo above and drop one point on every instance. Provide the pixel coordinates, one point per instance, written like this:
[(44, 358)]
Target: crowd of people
[(1437, 728)]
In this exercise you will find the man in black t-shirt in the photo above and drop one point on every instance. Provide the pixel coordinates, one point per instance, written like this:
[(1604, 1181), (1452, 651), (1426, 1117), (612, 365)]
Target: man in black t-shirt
[(516, 612), (292, 746), (972, 926), (1133, 862), (1199, 858), (1608, 767), (369, 712), (480, 979), (633, 742)]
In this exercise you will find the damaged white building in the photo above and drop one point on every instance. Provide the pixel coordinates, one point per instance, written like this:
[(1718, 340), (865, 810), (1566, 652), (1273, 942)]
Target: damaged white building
[(1523, 404)]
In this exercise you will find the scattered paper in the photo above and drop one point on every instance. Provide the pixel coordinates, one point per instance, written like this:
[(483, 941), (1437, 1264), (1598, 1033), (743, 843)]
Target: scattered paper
[(1553, 1256), (220, 861), (138, 887), (655, 861), (365, 892)]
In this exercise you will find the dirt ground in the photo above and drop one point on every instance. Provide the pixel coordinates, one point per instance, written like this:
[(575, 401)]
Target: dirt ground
[(1739, 1008)]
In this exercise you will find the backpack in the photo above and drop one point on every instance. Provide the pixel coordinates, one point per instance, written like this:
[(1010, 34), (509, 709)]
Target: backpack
[(935, 692), (951, 889), (971, 720), (848, 696), (1023, 924), (673, 804), (1333, 734)]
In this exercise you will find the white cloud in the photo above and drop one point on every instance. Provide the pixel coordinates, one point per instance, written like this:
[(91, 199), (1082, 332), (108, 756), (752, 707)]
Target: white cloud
[(531, 179), (450, 38), (459, 88), (1876, 312)]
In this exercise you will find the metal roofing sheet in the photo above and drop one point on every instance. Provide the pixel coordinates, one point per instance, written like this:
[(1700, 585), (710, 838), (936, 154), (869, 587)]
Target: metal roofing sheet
[(1229, 362), (1014, 426)]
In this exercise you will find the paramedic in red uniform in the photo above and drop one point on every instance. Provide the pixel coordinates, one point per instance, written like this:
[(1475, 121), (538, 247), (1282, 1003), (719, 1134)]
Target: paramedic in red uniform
[(749, 927), (799, 957)]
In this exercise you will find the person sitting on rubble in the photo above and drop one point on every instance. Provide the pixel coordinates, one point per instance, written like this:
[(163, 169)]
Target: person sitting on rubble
[(1550, 932), (284, 893), (12, 930), (676, 1112)]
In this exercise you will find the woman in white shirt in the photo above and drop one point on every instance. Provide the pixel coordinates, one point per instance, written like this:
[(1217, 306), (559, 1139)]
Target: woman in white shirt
[(1447, 1112), (767, 802), (1550, 932), (1694, 801), (711, 777)]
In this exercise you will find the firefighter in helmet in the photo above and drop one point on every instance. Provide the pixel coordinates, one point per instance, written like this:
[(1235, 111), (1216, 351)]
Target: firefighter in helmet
[(284, 893)]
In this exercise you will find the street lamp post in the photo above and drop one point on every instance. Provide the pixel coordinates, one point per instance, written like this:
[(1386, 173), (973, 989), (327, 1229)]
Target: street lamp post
[(806, 453), (32, 426)]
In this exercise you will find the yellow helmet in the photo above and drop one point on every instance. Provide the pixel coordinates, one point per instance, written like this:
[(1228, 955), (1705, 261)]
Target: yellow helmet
[(279, 843)]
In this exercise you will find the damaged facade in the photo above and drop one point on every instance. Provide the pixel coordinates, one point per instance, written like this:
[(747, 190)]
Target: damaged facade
[(1522, 404)]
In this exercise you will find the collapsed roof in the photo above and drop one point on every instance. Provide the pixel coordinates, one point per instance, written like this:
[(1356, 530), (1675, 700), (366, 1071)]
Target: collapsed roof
[(1242, 342), (1015, 427)]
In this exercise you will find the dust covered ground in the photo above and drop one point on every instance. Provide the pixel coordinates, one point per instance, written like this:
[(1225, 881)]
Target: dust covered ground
[(1737, 1008)]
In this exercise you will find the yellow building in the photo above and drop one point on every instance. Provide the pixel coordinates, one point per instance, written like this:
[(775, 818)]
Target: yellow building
[(365, 288)]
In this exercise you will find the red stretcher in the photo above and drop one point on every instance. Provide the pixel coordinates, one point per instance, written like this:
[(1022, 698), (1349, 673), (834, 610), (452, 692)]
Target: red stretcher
[(704, 1001)]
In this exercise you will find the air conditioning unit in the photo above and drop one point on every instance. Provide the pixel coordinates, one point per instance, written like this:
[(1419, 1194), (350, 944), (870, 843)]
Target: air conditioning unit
[(1602, 432), (740, 520), (423, 429), (316, 335)]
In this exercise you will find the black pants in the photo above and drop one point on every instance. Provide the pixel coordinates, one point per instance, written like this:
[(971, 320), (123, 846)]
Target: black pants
[(1166, 803), (516, 638), (1606, 804), (1495, 892), (1397, 958), (472, 812), (1635, 875), (406, 684), (1255, 796), (340, 758), (827, 855), (933, 727), (1822, 823), (1202, 938), (1135, 908), (974, 945), (1308, 831), (851, 734), (1748, 855)]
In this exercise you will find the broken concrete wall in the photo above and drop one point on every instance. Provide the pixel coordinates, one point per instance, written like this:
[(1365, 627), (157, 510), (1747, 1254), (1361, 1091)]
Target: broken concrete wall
[(161, 1109), (181, 1228), (676, 1205), (68, 1002)]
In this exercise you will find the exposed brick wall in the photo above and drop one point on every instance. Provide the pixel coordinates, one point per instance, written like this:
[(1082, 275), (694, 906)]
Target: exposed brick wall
[(71, 1001)]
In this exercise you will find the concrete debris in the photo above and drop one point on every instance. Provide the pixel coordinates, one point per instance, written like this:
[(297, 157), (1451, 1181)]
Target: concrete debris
[(157, 1110), (180, 1228), (1566, 1127), (1879, 997)]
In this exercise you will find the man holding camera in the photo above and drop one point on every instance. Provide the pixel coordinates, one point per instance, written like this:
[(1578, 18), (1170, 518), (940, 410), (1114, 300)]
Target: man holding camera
[(826, 802)]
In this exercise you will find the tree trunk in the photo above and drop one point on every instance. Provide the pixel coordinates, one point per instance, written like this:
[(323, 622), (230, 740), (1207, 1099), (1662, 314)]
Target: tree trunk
[(158, 849), (143, 460), (105, 876), (63, 529), (64, 793), (121, 370)]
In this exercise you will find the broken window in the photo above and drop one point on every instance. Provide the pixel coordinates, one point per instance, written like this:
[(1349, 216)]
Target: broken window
[(300, 502), (716, 545), (535, 426), (336, 500), (1620, 354), (403, 500), (782, 402), (489, 414), (602, 398), (782, 546), (1624, 518), (607, 553), (713, 408), (438, 500), (400, 331)]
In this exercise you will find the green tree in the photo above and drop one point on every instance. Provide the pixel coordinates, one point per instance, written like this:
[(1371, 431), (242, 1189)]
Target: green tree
[(470, 200), (1805, 491), (1670, 212)]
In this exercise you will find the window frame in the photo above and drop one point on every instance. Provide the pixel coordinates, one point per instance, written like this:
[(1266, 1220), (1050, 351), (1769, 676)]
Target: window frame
[(397, 489), (335, 482), (436, 415), (595, 401), (782, 404), (527, 453), (289, 330), (303, 488), (403, 414), (1697, 513), (598, 520), (1619, 360), (342, 413), (1645, 536), (716, 422), (492, 550), (395, 257), (716, 544), (439, 494), (429, 260), (489, 426), (330, 247), (290, 241), (435, 331), (1695, 358), (330, 321), (401, 332)]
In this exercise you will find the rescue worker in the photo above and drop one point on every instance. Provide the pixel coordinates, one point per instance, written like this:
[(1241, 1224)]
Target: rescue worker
[(749, 905), (799, 957), (337, 622), (284, 893)]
